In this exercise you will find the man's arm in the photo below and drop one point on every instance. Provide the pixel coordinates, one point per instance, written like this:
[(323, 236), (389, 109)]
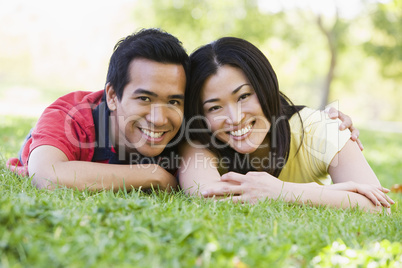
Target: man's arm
[(50, 167)]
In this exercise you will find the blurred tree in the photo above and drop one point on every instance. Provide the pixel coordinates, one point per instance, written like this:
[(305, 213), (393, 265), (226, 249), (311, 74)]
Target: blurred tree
[(335, 36), (198, 22), (318, 56), (386, 41)]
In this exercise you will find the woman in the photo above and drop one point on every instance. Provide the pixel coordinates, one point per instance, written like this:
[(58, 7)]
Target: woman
[(249, 141)]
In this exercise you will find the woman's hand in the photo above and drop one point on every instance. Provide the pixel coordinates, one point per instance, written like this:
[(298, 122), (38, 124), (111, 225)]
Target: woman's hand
[(374, 193), (252, 187), (346, 123)]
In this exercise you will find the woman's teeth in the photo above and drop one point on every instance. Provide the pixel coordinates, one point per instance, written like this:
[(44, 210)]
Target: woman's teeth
[(152, 134), (242, 131)]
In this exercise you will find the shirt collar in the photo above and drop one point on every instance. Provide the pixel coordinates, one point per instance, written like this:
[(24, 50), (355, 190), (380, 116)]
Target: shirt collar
[(103, 149)]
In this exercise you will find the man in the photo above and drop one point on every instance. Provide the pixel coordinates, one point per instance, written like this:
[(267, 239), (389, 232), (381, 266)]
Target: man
[(136, 116)]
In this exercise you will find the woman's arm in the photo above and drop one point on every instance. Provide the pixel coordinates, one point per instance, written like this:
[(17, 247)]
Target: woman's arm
[(355, 185), (198, 170), (50, 168), (350, 166), (256, 186)]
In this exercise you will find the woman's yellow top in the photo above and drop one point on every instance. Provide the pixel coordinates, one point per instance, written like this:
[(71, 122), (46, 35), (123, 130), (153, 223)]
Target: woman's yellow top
[(321, 143)]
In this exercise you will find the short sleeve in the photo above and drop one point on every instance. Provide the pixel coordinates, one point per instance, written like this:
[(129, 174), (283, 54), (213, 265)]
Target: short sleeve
[(323, 139), (68, 125), (315, 141), (56, 128)]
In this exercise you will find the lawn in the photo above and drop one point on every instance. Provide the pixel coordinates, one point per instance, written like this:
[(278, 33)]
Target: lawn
[(135, 229)]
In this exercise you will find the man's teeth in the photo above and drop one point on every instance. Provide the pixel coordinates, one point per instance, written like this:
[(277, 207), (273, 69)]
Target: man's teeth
[(152, 134), (241, 132)]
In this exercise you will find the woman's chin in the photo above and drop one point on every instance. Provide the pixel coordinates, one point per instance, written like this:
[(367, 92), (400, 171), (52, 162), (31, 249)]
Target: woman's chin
[(245, 149)]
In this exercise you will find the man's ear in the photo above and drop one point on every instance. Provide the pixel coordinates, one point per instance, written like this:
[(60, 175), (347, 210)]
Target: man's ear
[(111, 97)]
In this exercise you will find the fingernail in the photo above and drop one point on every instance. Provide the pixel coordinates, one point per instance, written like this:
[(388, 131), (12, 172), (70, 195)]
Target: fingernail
[(204, 193)]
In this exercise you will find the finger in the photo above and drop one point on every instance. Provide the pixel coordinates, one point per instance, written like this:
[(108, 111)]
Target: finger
[(256, 173), (384, 190), (332, 112), (346, 122), (373, 198), (389, 199), (233, 176), (360, 144), (355, 133), (222, 191), (382, 199)]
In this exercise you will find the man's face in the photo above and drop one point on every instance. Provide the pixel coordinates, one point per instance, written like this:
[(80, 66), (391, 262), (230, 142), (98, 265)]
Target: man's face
[(150, 111)]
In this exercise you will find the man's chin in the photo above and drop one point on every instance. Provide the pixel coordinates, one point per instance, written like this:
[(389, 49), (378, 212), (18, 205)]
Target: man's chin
[(150, 152)]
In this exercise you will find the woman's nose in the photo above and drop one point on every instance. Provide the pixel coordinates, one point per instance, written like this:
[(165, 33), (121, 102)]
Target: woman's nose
[(235, 114)]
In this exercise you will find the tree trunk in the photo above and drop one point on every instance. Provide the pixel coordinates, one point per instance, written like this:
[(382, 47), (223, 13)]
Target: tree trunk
[(330, 36)]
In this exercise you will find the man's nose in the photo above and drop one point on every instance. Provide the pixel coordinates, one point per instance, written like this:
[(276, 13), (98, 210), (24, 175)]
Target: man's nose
[(157, 115)]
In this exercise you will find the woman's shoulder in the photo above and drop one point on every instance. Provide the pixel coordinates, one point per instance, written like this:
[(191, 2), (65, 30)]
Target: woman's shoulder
[(310, 120), (307, 115)]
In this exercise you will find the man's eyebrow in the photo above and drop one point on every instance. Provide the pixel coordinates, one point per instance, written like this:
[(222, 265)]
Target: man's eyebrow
[(176, 96), (145, 92), (233, 92)]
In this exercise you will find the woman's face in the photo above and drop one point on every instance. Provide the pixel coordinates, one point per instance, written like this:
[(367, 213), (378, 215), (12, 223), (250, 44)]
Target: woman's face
[(232, 108)]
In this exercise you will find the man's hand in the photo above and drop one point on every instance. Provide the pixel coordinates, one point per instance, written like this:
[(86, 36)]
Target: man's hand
[(164, 180), (346, 123)]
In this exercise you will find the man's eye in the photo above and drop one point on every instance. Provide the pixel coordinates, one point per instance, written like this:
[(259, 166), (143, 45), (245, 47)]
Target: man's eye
[(244, 96), (144, 98), (174, 102)]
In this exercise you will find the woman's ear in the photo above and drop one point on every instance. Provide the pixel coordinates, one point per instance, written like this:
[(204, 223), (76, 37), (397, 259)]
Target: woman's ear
[(111, 97)]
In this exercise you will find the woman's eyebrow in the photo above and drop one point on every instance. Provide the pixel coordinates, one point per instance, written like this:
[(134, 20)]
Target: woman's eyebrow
[(233, 92), (211, 100), (238, 88)]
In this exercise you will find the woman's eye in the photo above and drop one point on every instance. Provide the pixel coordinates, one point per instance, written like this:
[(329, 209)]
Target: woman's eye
[(244, 96), (144, 98), (213, 108)]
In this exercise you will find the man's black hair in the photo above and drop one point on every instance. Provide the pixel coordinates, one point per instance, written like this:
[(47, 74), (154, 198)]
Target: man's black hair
[(152, 44)]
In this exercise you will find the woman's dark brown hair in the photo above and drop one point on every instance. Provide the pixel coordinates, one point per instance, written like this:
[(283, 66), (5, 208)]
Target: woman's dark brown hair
[(276, 107)]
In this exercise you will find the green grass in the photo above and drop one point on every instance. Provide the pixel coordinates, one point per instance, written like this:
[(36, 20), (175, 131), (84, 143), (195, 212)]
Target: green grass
[(136, 229)]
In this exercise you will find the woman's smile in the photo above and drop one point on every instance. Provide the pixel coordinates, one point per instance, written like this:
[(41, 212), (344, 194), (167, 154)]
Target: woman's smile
[(232, 108)]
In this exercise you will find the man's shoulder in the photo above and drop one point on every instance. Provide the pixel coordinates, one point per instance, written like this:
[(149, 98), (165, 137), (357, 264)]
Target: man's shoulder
[(80, 97), (77, 105)]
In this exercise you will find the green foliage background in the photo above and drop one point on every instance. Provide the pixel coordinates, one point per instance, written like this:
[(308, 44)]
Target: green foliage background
[(46, 52), (369, 68)]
